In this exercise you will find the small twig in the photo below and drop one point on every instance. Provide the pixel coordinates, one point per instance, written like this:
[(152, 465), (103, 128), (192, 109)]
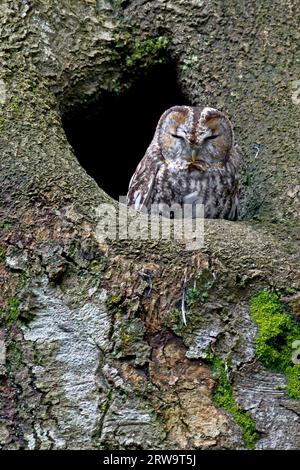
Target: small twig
[(257, 147), (183, 310)]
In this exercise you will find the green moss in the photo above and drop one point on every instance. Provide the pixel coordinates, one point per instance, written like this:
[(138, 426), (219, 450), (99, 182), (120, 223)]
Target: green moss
[(106, 404), (130, 333), (11, 314), (13, 311), (147, 52), (290, 290), (133, 56), (224, 398), (5, 225), (95, 266), (196, 296), (174, 321), (23, 279), (293, 386), (199, 293), (114, 301), (126, 339), (277, 332)]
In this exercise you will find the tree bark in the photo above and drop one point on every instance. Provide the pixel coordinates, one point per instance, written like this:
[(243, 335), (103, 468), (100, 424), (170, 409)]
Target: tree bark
[(93, 352)]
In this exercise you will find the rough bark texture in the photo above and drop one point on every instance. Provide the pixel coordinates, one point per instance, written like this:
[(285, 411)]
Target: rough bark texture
[(92, 354)]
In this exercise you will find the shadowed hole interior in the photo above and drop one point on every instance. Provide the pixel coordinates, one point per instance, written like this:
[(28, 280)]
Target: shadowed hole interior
[(110, 136)]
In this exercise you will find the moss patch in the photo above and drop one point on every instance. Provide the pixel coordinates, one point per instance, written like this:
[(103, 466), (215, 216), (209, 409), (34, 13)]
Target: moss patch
[(13, 312), (224, 398), (5, 225), (277, 332), (293, 386), (147, 52), (106, 404), (199, 293), (133, 56), (95, 266)]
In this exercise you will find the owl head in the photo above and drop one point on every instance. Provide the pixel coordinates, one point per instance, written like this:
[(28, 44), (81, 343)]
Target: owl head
[(194, 134)]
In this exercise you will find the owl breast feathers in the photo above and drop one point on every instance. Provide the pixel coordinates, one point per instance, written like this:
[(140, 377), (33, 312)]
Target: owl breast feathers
[(191, 160)]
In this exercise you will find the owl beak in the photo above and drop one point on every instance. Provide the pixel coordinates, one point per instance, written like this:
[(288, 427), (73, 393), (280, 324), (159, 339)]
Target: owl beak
[(194, 156)]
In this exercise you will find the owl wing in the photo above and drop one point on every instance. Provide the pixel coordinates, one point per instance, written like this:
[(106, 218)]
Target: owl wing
[(142, 183)]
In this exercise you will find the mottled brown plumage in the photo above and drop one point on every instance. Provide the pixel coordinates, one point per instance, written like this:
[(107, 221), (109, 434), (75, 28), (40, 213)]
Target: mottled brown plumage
[(191, 160)]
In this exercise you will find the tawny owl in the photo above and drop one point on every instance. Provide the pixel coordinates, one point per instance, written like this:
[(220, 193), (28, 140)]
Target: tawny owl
[(191, 159)]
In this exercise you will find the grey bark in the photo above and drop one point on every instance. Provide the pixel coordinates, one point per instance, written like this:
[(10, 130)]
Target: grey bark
[(86, 360)]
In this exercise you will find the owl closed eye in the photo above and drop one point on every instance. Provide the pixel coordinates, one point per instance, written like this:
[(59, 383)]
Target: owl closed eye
[(191, 160)]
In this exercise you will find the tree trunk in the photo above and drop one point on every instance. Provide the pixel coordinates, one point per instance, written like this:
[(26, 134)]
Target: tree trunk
[(93, 349)]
